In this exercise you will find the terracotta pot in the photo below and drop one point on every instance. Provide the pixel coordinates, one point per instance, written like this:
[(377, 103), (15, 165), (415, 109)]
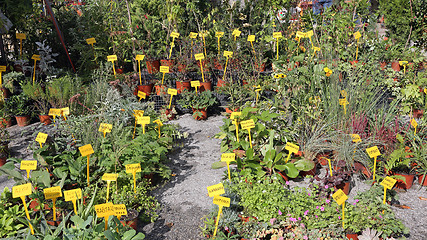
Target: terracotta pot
[(180, 86), (383, 65), (160, 89), (227, 110), (153, 66), (119, 71), (418, 113), (395, 66), (220, 82), (345, 187), (144, 88), (361, 168), (131, 219), (322, 158), (401, 184), (3, 160), (22, 120), (6, 92), (311, 172), (6, 123), (46, 119), (420, 178), (34, 203), (204, 114), (354, 62), (168, 62), (352, 236), (205, 86)]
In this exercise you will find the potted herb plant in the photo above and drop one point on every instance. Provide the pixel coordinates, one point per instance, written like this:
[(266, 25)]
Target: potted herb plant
[(21, 108), (5, 115), (9, 82), (40, 97), (199, 102)]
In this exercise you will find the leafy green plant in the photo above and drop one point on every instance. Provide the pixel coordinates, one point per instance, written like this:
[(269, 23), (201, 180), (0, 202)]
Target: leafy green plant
[(19, 105), (196, 100), (10, 212)]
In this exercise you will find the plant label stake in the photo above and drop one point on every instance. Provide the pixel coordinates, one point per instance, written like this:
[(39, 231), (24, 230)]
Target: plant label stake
[(277, 35), (112, 58), (141, 95), (20, 36), (248, 124), (28, 165), (414, 124), (257, 90), (53, 193), (64, 112), (236, 33), (159, 125), (233, 117), (139, 58), (221, 202), (227, 54), (193, 36), (203, 35), (86, 151), (41, 138), (21, 191), (105, 210), (357, 36), (355, 139), (309, 34), (2, 69), (343, 93), (228, 157), (109, 177), (120, 210), (200, 57), (173, 35), (219, 35), (404, 64), (340, 197), (138, 114), (344, 102), (54, 112), (143, 121), (216, 190), (195, 84), (315, 49), (292, 148), (299, 35), (172, 92), (133, 169), (73, 195), (251, 39), (164, 70), (373, 152), (91, 41), (105, 127), (35, 58), (387, 183)]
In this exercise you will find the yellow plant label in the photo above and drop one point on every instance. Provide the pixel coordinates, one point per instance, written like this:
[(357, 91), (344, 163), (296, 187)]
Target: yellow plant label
[(199, 56), (235, 114), (36, 57), (55, 112), (344, 93), (248, 124), (228, 157), (164, 69), (356, 138), (279, 76), (216, 190), (343, 101), (251, 38), (174, 34), (158, 122), (138, 113), (219, 34), (401, 63), (21, 36), (414, 123), (203, 34), (135, 167), (28, 165), (193, 35), (112, 58), (172, 91), (195, 83), (73, 194), (142, 95), (300, 34), (221, 201), (236, 32), (144, 120), (110, 177), (388, 182), (139, 57), (309, 34), (104, 210), (120, 210), (277, 35), (65, 111), (228, 54), (292, 147), (339, 197), (86, 150), (2, 68), (373, 152), (105, 127), (52, 192), (90, 41), (21, 190), (41, 137), (357, 35), (316, 49)]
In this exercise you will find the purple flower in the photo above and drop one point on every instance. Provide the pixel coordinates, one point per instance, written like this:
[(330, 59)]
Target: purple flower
[(280, 213), (316, 216), (322, 209), (287, 183), (292, 219), (339, 217), (272, 221), (354, 204), (317, 207), (309, 194), (305, 213), (328, 201), (326, 186), (299, 219), (380, 216), (305, 237)]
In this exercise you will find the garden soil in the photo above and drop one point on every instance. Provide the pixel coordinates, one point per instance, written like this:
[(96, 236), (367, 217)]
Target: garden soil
[(184, 198)]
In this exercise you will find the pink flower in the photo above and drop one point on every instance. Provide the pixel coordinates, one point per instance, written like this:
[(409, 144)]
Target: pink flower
[(309, 194), (317, 207), (326, 186), (302, 225), (322, 209), (328, 201), (339, 217), (289, 214), (299, 219), (280, 213), (354, 204), (305, 213), (357, 200), (292, 219), (316, 216), (280, 238), (380, 216), (226, 228), (272, 221), (305, 237), (287, 183)]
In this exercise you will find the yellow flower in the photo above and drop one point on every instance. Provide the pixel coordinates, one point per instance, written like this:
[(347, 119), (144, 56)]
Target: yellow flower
[(328, 71)]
